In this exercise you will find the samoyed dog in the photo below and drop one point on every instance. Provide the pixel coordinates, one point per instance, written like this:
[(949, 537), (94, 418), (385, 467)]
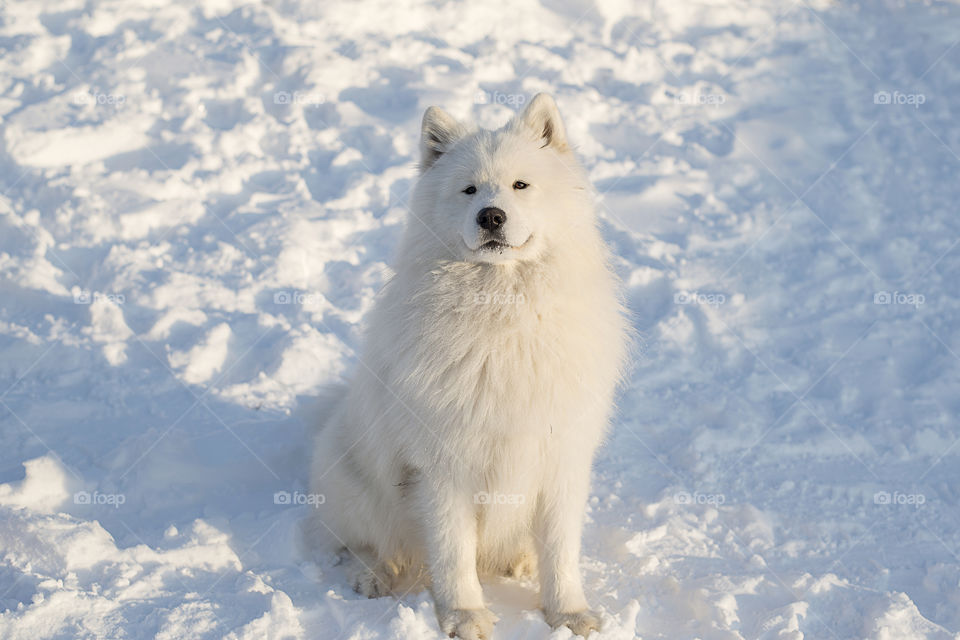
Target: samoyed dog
[(463, 443)]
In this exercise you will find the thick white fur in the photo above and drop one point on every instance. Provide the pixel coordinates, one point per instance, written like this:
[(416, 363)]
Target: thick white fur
[(482, 372)]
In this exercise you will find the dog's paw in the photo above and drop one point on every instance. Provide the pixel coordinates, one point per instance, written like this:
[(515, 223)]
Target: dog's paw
[(468, 624), (580, 622), (371, 580), (369, 584)]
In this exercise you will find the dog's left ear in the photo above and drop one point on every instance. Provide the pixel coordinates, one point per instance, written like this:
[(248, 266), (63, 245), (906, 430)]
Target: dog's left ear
[(543, 118)]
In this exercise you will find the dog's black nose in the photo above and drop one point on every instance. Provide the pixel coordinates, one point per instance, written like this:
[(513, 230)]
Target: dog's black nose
[(491, 218)]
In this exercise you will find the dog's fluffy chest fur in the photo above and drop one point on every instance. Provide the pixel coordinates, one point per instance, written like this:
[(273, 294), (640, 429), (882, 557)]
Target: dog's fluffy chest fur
[(493, 351)]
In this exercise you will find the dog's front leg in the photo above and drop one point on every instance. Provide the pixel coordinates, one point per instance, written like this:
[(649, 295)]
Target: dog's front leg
[(558, 526), (449, 525)]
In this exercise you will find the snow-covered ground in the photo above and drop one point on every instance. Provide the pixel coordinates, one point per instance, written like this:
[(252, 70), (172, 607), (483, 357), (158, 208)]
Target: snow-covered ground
[(198, 204)]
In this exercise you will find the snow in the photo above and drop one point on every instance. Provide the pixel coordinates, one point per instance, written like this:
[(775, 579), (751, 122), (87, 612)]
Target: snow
[(199, 201)]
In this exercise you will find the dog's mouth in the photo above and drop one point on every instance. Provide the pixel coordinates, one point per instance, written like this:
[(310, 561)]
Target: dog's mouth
[(500, 246), (493, 245)]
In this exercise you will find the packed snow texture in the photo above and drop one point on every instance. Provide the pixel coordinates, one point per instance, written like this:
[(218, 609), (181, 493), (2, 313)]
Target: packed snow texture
[(199, 203)]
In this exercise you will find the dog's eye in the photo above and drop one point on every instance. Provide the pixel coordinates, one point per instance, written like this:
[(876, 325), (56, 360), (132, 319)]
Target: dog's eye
[(470, 190), (520, 184)]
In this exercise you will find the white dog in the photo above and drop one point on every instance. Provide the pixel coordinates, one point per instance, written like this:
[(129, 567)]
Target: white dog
[(463, 443)]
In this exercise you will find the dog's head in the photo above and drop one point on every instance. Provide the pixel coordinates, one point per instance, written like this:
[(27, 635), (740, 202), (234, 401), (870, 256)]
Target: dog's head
[(499, 196)]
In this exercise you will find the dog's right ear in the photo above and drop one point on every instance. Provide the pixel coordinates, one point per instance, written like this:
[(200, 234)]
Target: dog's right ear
[(437, 134), (543, 118)]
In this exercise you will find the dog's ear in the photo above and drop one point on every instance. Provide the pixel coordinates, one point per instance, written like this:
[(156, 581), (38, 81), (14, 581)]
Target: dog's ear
[(438, 132), (543, 119)]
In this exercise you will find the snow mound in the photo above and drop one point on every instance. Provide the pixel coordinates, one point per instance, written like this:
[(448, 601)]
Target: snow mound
[(44, 488)]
